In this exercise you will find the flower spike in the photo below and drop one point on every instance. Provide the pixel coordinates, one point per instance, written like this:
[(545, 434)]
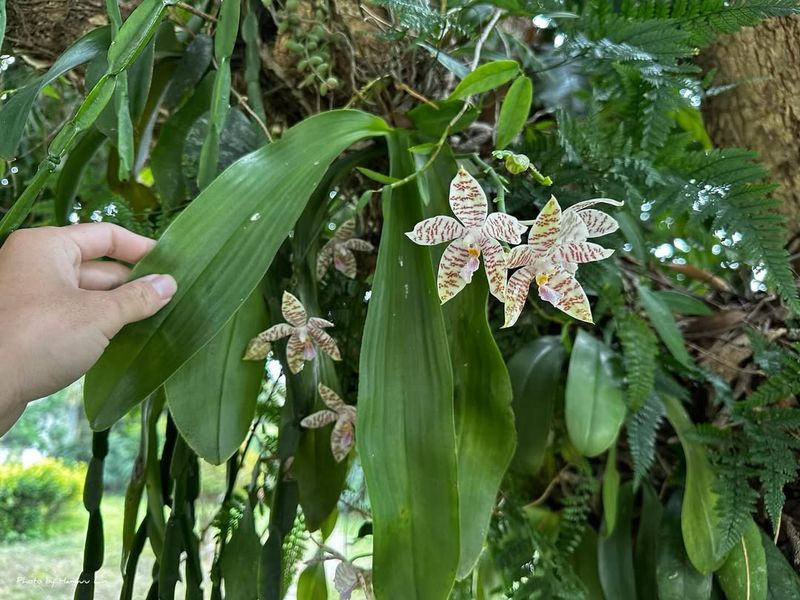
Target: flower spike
[(305, 335), (343, 435), (557, 244), (472, 234), (339, 251)]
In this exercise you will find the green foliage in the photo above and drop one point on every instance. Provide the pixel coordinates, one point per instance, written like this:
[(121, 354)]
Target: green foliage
[(642, 428), (639, 351), (34, 498)]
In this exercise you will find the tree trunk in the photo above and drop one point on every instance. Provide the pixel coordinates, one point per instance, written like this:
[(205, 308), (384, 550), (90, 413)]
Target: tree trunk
[(763, 111)]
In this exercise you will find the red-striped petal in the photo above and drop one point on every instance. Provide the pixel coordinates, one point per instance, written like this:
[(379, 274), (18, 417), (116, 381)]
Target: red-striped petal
[(319, 323), (358, 245), (293, 310), (295, 348), (521, 256), (324, 259), (587, 203), (319, 419), (597, 222), (325, 342), (345, 262), (436, 230), (343, 437), (516, 294), (258, 348), (573, 300), (330, 398), (467, 199), (545, 229), (581, 252), (345, 231), (454, 259), (504, 227), (494, 261)]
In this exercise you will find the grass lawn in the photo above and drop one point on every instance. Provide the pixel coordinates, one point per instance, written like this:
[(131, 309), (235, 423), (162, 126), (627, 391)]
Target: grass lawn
[(48, 568)]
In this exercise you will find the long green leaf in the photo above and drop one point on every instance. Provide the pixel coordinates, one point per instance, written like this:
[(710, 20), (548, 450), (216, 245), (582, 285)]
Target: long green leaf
[(218, 249), (584, 562), (405, 431), (212, 398), (14, 113), (676, 578), (312, 584), (594, 408), (743, 575), (2, 22), (782, 579), (699, 518), (514, 112), (611, 481), (535, 372), (615, 553), (485, 78), (239, 560), (647, 541), (70, 177), (665, 325)]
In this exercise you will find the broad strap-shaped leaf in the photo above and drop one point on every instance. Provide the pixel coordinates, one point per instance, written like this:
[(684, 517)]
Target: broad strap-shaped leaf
[(743, 575), (536, 379), (615, 553), (647, 541), (782, 578), (218, 250), (699, 517), (486, 78), (594, 408), (484, 420), (14, 114), (406, 428), (212, 398), (665, 325), (239, 560), (676, 578), (514, 111), (312, 584)]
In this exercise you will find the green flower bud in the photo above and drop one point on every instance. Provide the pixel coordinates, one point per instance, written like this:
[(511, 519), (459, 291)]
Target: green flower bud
[(332, 83), (515, 163)]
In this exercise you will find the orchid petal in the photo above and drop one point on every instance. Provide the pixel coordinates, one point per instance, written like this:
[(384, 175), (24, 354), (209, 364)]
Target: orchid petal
[(324, 259), (449, 280), (573, 229), (319, 323), (330, 398), (545, 229), (345, 231), (358, 245), (325, 342), (294, 353), (319, 419), (521, 256), (345, 580), (504, 227), (494, 261), (293, 310), (573, 300), (343, 437), (582, 252), (277, 332), (578, 206), (345, 262), (467, 199), (597, 222), (436, 230), (516, 294), (258, 348)]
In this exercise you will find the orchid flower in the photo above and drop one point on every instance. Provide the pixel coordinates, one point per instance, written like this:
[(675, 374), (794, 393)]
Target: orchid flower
[(349, 578), (557, 244), (304, 336), (339, 251), (477, 233), (343, 435)]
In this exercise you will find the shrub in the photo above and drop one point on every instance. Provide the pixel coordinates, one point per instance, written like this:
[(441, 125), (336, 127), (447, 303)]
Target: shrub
[(33, 498)]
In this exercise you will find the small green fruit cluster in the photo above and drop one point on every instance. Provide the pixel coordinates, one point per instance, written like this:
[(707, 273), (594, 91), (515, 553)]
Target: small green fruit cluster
[(310, 41)]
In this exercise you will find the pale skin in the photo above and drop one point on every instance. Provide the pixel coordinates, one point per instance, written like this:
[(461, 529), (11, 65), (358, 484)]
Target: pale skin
[(60, 306)]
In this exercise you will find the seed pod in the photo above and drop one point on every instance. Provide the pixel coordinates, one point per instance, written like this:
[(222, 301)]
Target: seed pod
[(311, 46), (315, 60), (323, 68), (283, 27), (292, 5), (302, 65), (294, 46), (332, 83), (323, 89)]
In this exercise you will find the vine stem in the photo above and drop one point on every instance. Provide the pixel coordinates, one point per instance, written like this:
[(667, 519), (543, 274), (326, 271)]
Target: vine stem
[(485, 36)]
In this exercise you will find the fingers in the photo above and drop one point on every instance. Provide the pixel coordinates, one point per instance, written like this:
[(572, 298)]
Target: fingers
[(95, 240), (136, 300), (107, 275)]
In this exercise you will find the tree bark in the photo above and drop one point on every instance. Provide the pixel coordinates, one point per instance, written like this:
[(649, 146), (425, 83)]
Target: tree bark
[(763, 111)]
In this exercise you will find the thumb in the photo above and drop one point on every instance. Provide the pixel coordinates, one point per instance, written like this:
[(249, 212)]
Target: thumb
[(137, 300)]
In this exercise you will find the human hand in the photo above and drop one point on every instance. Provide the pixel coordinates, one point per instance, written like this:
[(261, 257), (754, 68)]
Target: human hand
[(59, 307)]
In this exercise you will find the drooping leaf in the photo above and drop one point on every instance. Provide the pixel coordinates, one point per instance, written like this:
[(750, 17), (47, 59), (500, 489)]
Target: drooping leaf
[(683, 304), (647, 542), (783, 581), (485, 78), (14, 113), (406, 437), (743, 575), (218, 249), (239, 561), (514, 111), (535, 372), (584, 562), (70, 177), (610, 492), (699, 517), (594, 408), (212, 398), (676, 578), (615, 552), (665, 325)]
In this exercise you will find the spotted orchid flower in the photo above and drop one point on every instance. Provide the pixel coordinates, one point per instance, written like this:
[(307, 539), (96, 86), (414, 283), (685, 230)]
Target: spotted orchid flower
[(349, 578), (339, 251), (557, 244), (343, 435), (474, 233), (304, 336)]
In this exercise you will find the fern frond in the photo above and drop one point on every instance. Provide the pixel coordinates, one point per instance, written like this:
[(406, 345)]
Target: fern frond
[(773, 452), (783, 383), (736, 498), (642, 428), (705, 21), (639, 350), (575, 513)]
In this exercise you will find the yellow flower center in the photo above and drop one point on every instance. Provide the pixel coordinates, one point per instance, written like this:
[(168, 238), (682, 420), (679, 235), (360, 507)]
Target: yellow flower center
[(473, 252), (542, 279)]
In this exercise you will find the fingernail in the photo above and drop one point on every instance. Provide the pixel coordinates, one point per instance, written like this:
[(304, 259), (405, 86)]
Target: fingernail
[(164, 285)]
